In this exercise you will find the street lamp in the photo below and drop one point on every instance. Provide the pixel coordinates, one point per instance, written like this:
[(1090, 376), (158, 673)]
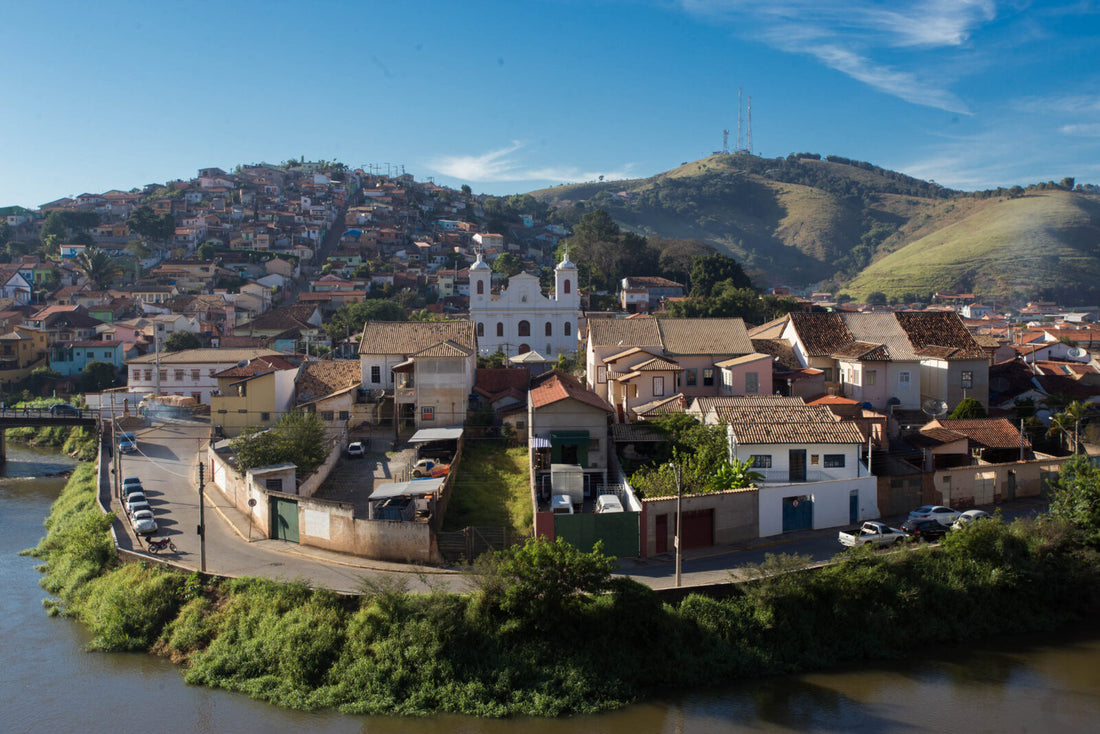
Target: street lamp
[(676, 468)]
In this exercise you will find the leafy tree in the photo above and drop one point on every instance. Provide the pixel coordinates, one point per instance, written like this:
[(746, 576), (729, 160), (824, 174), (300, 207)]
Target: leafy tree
[(349, 319), (466, 190), (298, 438), (539, 584), (968, 408), (1075, 496), (507, 264), (55, 226), (5, 231), (876, 298), (138, 249), (604, 253), (493, 361), (207, 251), (100, 268), (146, 223), (709, 270), (177, 341), (98, 376)]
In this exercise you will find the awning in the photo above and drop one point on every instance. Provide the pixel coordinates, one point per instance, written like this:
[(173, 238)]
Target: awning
[(415, 488), (426, 435), (540, 442)]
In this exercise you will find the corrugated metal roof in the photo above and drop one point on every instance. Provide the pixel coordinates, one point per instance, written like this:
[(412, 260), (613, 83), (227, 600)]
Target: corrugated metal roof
[(415, 488), (424, 435)]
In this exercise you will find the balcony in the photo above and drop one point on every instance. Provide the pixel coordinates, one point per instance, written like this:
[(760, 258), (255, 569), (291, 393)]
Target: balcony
[(783, 476)]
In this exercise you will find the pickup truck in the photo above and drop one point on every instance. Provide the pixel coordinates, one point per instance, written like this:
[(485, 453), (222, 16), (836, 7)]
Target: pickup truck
[(878, 533)]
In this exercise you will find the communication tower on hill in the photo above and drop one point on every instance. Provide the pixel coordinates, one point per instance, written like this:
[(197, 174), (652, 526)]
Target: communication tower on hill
[(744, 143)]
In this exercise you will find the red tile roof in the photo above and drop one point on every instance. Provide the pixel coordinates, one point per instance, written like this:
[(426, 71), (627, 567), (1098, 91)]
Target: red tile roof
[(556, 386)]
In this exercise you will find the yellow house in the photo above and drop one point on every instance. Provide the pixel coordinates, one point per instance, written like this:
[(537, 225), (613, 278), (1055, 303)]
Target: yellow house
[(255, 394), (21, 350)]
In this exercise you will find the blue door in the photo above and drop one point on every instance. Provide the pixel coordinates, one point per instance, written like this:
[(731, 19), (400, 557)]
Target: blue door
[(798, 513), (853, 506)]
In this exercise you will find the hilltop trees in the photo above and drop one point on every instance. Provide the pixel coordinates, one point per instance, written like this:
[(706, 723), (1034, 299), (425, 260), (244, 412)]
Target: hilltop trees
[(146, 223), (349, 319), (709, 270), (604, 253)]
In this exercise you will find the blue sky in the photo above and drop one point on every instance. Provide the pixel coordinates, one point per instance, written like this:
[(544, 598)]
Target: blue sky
[(514, 96)]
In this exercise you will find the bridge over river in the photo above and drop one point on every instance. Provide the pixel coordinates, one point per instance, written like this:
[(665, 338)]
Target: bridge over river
[(31, 418)]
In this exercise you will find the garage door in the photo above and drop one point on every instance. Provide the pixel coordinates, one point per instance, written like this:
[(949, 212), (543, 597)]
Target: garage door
[(698, 528)]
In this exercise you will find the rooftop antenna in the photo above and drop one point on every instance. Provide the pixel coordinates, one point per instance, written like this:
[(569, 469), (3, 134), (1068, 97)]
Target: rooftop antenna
[(725, 142)]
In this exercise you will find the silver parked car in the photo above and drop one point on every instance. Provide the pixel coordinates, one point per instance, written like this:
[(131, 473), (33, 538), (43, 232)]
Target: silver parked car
[(943, 515), (144, 523), (970, 516)]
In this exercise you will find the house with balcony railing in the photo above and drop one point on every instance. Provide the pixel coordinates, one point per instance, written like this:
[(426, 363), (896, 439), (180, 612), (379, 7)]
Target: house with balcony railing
[(813, 473)]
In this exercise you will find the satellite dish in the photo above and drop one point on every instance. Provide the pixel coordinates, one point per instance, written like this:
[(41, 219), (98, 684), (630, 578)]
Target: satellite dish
[(934, 407), (1078, 353)]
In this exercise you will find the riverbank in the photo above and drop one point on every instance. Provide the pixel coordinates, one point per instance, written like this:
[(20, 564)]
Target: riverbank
[(79, 443), (511, 648)]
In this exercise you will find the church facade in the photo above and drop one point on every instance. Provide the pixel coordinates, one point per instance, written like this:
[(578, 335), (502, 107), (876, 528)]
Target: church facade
[(520, 318)]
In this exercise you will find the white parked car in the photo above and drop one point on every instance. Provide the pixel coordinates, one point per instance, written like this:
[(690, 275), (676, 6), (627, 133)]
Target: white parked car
[(608, 503), (970, 516), (939, 513), (144, 523), (356, 450), (561, 504), (136, 501)]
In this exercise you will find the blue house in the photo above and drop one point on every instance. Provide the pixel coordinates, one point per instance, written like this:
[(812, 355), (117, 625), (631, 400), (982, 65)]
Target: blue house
[(70, 358)]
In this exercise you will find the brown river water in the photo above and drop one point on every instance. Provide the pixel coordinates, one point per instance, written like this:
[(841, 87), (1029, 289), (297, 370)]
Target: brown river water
[(49, 684)]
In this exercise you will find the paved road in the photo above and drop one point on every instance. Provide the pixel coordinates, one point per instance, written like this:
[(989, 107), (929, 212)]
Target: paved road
[(167, 464)]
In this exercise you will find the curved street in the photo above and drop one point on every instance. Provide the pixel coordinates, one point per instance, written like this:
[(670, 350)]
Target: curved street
[(167, 464)]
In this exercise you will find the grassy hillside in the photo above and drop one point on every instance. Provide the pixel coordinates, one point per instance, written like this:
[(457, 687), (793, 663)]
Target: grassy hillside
[(1045, 243), (803, 221)]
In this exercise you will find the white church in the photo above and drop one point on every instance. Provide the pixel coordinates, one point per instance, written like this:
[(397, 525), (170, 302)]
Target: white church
[(521, 319)]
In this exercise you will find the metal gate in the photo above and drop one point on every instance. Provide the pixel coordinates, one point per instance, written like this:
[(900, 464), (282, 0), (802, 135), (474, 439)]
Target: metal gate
[(798, 513), (464, 546), (284, 519), (618, 531)]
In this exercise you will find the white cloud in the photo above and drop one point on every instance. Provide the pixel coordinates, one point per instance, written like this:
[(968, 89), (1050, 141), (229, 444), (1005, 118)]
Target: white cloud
[(1081, 130), (500, 166), (846, 35), (902, 84)]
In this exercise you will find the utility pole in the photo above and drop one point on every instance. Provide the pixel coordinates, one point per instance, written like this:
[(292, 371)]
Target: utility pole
[(679, 507), (202, 521)]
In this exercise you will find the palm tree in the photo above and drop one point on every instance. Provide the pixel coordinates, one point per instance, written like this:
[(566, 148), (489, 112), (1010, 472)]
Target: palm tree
[(97, 266), (1068, 422)]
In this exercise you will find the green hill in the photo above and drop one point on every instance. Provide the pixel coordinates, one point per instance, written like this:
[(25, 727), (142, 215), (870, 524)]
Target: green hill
[(803, 221)]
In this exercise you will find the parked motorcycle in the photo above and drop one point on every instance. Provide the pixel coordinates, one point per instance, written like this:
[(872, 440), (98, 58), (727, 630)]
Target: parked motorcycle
[(156, 546)]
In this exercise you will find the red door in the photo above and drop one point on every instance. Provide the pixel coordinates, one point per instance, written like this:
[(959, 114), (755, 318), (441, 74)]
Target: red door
[(698, 529), (662, 533)]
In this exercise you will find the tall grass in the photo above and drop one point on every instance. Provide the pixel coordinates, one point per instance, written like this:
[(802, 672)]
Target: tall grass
[(391, 652)]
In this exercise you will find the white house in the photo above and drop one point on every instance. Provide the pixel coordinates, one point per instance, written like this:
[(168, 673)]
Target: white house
[(813, 476), (190, 372), (520, 319)]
